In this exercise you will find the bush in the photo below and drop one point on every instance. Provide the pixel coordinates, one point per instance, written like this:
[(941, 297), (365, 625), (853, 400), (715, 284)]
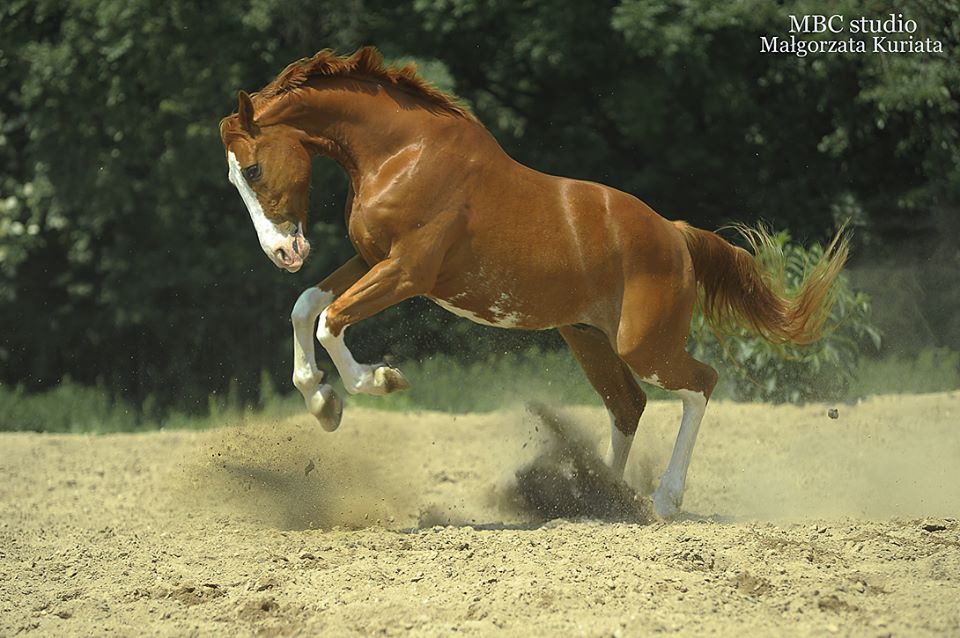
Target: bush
[(751, 368)]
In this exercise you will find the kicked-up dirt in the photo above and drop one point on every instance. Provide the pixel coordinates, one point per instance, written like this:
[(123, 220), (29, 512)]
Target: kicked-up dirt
[(795, 523)]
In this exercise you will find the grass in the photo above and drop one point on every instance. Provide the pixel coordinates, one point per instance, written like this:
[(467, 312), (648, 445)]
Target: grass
[(72, 407), (438, 383), (932, 370), (442, 383)]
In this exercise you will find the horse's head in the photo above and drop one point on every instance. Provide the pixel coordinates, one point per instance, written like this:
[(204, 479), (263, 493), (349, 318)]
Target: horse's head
[(271, 168)]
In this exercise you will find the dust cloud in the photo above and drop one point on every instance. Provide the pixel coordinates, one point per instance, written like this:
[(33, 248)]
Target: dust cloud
[(293, 475), (891, 456)]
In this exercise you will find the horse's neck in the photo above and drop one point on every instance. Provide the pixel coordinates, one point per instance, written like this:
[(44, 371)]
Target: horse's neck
[(359, 131)]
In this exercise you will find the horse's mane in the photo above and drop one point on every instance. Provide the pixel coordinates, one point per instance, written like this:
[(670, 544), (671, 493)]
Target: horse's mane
[(366, 62)]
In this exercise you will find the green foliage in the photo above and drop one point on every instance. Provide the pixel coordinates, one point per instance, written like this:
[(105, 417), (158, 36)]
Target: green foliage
[(672, 100), (127, 261), (752, 368)]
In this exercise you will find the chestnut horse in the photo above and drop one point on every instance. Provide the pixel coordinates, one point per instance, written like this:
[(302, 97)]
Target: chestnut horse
[(437, 208)]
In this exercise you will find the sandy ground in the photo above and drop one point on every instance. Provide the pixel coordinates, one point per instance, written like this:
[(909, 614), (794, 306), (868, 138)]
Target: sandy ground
[(419, 523)]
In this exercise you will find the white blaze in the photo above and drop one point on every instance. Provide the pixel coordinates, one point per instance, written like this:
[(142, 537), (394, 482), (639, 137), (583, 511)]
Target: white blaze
[(270, 238)]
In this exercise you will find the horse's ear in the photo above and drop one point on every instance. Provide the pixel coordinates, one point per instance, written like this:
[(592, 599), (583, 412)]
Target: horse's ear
[(245, 111)]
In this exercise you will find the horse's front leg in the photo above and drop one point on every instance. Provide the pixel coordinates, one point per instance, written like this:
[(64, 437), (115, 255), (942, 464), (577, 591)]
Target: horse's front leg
[(387, 283), (322, 402)]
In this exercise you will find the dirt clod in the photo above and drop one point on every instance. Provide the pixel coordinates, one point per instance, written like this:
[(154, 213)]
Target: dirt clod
[(833, 602), (931, 526), (751, 585), (193, 595), (258, 609)]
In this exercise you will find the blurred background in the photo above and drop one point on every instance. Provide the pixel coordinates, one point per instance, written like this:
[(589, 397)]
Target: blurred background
[(133, 292)]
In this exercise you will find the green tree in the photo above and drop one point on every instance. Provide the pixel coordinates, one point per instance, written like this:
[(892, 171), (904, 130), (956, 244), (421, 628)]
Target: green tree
[(127, 259), (126, 256)]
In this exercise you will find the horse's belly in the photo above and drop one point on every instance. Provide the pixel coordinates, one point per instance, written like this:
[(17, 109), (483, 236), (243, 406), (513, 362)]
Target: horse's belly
[(498, 314)]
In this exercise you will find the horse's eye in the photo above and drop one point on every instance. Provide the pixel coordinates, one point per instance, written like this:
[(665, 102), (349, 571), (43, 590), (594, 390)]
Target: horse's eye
[(252, 173)]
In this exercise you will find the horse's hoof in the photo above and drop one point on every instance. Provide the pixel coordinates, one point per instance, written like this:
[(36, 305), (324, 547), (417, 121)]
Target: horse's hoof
[(389, 379), (666, 505), (327, 407)]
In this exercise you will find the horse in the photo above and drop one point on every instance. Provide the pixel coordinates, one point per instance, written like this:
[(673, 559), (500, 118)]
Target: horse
[(436, 208)]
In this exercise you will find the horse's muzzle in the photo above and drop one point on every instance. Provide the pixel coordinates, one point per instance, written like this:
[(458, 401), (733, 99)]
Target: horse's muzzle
[(291, 256)]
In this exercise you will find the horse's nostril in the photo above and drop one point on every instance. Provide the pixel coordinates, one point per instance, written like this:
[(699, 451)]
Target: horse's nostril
[(282, 256)]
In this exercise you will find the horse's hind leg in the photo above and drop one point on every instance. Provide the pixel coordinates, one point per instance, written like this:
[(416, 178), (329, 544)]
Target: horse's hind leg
[(701, 378), (654, 349), (612, 380), (693, 382)]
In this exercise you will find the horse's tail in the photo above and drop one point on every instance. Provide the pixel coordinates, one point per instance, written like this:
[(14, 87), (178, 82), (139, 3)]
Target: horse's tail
[(743, 289)]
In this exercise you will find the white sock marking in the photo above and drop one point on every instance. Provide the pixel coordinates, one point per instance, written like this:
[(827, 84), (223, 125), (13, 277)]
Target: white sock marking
[(669, 494), (312, 301), (306, 376), (356, 377), (619, 450)]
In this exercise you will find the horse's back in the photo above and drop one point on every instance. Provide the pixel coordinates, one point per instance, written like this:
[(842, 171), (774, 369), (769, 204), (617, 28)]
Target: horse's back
[(560, 250), (627, 230)]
